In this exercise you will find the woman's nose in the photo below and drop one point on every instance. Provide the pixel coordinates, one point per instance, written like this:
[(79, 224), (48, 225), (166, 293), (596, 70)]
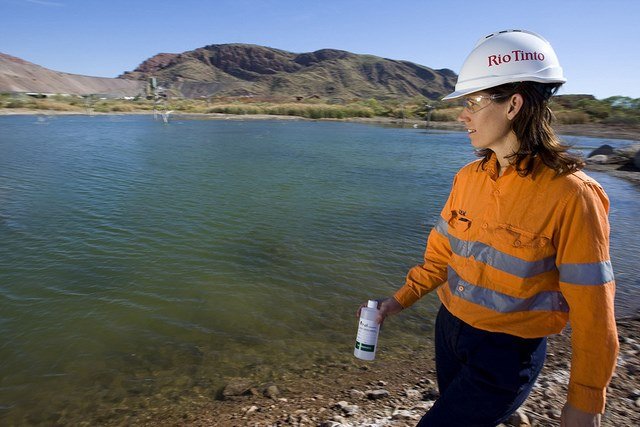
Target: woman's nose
[(463, 116)]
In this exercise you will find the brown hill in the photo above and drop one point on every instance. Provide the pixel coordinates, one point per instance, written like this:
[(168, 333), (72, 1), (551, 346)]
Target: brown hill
[(18, 75), (250, 70)]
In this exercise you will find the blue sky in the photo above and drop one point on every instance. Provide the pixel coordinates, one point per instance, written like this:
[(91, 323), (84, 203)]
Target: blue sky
[(596, 41)]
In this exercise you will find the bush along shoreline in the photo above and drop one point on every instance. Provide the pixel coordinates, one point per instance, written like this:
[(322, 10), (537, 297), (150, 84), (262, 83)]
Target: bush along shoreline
[(568, 109)]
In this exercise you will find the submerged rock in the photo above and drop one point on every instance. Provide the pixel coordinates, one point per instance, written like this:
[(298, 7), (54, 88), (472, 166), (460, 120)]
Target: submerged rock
[(237, 387), (272, 392)]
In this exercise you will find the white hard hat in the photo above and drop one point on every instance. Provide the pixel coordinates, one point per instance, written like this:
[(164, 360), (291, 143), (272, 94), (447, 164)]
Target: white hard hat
[(506, 57)]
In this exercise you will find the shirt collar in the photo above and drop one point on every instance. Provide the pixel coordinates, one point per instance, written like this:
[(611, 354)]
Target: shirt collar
[(491, 168)]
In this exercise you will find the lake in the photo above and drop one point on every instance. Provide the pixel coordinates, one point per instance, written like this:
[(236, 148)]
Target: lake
[(144, 263)]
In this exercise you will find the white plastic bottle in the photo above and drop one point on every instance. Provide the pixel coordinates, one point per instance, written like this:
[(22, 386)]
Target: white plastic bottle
[(368, 328)]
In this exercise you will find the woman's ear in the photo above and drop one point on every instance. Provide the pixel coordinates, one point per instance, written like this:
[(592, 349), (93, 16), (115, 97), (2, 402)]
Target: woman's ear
[(515, 105)]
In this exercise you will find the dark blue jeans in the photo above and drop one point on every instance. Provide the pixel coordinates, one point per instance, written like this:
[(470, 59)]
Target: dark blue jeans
[(483, 376)]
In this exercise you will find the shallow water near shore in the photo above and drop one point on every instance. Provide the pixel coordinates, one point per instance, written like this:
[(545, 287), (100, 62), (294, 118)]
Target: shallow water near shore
[(143, 264)]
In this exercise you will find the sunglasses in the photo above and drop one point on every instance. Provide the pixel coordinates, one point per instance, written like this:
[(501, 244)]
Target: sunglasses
[(474, 103)]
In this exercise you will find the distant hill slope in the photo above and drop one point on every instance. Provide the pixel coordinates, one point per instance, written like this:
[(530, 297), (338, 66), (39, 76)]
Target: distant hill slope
[(250, 70), (18, 75)]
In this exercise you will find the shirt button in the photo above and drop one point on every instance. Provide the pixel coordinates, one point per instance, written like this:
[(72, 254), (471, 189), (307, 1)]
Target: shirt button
[(517, 243), (496, 192), (460, 288), (485, 225)]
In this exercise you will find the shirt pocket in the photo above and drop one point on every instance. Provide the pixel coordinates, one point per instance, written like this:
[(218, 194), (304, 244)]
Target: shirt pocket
[(458, 222), (520, 240), (459, 229)]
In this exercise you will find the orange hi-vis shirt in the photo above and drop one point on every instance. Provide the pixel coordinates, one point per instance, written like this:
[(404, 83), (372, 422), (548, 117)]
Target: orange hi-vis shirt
[(522, 256)]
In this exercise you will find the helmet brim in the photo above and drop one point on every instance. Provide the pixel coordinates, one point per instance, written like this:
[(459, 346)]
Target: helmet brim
[(466, 91)]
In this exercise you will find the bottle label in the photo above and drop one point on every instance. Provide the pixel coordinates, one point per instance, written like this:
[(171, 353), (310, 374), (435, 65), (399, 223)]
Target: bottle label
[(365, 347), (367, 335)]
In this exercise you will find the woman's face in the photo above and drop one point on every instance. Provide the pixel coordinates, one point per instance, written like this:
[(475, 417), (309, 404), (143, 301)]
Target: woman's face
[(486, 121)]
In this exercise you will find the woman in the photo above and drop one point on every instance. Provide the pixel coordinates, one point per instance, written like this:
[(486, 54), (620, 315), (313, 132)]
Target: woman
[(521, 248)]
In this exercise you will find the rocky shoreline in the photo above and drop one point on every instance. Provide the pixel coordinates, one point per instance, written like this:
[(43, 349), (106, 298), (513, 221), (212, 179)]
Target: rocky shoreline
[(622, 163), (396, 391)]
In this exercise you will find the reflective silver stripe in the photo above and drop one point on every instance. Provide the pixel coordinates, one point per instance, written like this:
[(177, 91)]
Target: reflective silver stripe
[(500, 260), (442, 227), (503, 303), (595, 273)]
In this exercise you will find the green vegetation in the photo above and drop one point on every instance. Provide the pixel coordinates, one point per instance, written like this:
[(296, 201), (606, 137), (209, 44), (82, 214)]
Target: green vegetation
[(310, 111), (616, 110), (568, 109)]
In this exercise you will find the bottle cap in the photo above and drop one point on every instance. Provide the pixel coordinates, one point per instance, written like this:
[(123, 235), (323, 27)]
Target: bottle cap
[(372, 304)]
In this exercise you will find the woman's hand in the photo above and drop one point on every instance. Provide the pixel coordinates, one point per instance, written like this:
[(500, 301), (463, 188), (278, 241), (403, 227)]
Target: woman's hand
[(574, 417), (386, 307)]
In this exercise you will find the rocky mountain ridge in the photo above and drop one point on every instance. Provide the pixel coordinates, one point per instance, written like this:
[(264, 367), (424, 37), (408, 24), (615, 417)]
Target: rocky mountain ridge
[(237, 70), (251, 70)]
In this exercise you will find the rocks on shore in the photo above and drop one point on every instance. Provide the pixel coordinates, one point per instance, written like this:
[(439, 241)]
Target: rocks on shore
[(622, 163), (396, 394), (237, 388), (607, 155)]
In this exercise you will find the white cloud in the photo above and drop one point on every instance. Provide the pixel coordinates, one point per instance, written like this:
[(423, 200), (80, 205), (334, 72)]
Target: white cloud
[(45, 3)]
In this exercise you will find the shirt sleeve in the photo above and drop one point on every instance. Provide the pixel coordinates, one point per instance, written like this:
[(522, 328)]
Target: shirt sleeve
[(426, 277), (587, 284)]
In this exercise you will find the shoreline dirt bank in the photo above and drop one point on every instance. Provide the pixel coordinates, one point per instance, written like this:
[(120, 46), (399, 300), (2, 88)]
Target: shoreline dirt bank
[(396, 391), (589, 129)]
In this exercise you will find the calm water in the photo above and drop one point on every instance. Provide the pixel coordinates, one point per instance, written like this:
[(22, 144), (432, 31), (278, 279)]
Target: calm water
[(142, 263)]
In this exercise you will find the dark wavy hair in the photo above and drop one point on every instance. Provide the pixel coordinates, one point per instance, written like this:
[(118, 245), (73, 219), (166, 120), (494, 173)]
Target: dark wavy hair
[(532, 126)]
